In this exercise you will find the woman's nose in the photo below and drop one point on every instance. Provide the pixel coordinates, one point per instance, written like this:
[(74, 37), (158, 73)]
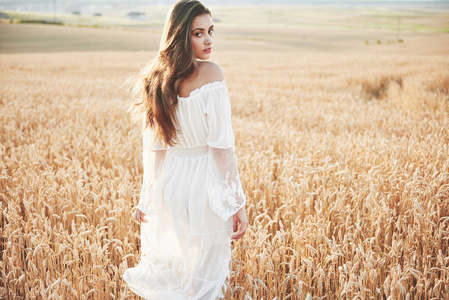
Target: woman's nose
[(208, 40)]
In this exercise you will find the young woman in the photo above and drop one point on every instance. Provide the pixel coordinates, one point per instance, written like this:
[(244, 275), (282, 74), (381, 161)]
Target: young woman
[(191, 203)]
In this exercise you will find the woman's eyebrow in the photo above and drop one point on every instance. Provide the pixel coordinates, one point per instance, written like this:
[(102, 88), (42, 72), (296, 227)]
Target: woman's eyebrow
[(202, 29)]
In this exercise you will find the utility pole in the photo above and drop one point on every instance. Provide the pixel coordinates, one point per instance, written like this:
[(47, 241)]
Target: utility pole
[(269, 22), (54, 11)]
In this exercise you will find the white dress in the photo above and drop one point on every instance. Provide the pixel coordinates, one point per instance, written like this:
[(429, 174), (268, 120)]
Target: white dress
[(189, 193)]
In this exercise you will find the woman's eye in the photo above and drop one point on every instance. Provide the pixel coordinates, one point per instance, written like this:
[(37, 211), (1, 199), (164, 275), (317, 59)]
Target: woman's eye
[(210, 31), (198, 34)]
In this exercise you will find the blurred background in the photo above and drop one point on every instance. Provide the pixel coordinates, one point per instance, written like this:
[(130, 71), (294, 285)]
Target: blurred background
[(254, 25)]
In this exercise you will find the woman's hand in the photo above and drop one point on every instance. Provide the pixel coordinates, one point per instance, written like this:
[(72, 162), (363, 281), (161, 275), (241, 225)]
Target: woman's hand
[(140, 216), (239, 218)]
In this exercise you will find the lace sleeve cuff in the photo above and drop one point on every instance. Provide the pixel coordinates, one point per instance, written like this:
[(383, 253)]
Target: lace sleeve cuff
[(225, 191)]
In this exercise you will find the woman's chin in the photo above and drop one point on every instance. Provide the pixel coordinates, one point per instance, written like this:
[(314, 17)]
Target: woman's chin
[(203, 56)]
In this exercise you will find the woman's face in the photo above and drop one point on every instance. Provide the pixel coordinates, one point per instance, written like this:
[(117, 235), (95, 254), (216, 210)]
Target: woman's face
[(202, 29)]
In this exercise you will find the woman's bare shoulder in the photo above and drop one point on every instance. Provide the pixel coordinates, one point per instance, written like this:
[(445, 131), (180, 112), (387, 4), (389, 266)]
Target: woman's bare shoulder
[(207, 72), (210, 71)]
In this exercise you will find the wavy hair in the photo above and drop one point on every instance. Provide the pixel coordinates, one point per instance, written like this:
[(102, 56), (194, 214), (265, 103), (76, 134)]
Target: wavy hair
[(156, 87)]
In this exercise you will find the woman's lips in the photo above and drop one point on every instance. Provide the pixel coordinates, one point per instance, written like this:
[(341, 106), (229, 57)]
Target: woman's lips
[(208, 50)]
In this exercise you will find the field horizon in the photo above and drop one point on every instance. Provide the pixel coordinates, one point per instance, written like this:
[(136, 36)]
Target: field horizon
[(249, 28)]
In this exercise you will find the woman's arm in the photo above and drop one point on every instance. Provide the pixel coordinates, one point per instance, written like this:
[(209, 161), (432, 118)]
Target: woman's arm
[(226, 196), (153, 156)]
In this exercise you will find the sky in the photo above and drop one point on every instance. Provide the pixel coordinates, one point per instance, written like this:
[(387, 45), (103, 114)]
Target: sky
[(67, 5)]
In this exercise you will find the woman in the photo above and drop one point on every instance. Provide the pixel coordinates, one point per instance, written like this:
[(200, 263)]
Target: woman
[(192, 203)]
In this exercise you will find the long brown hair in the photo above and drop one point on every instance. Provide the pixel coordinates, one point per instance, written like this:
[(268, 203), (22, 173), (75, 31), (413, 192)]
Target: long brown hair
[(156, 87)]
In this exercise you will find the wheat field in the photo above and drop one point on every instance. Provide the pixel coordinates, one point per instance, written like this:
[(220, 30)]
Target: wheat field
[(344, 158)]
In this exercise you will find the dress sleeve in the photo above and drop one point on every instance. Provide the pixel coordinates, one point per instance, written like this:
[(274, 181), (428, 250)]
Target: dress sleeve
[(153, 155), (225, 191)]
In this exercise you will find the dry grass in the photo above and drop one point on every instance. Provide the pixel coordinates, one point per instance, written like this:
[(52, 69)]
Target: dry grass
[(439, 85), (377, 88), (347, 198)]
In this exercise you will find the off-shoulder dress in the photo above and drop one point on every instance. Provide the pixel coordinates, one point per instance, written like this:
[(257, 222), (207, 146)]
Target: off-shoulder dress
[(189, 194)]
